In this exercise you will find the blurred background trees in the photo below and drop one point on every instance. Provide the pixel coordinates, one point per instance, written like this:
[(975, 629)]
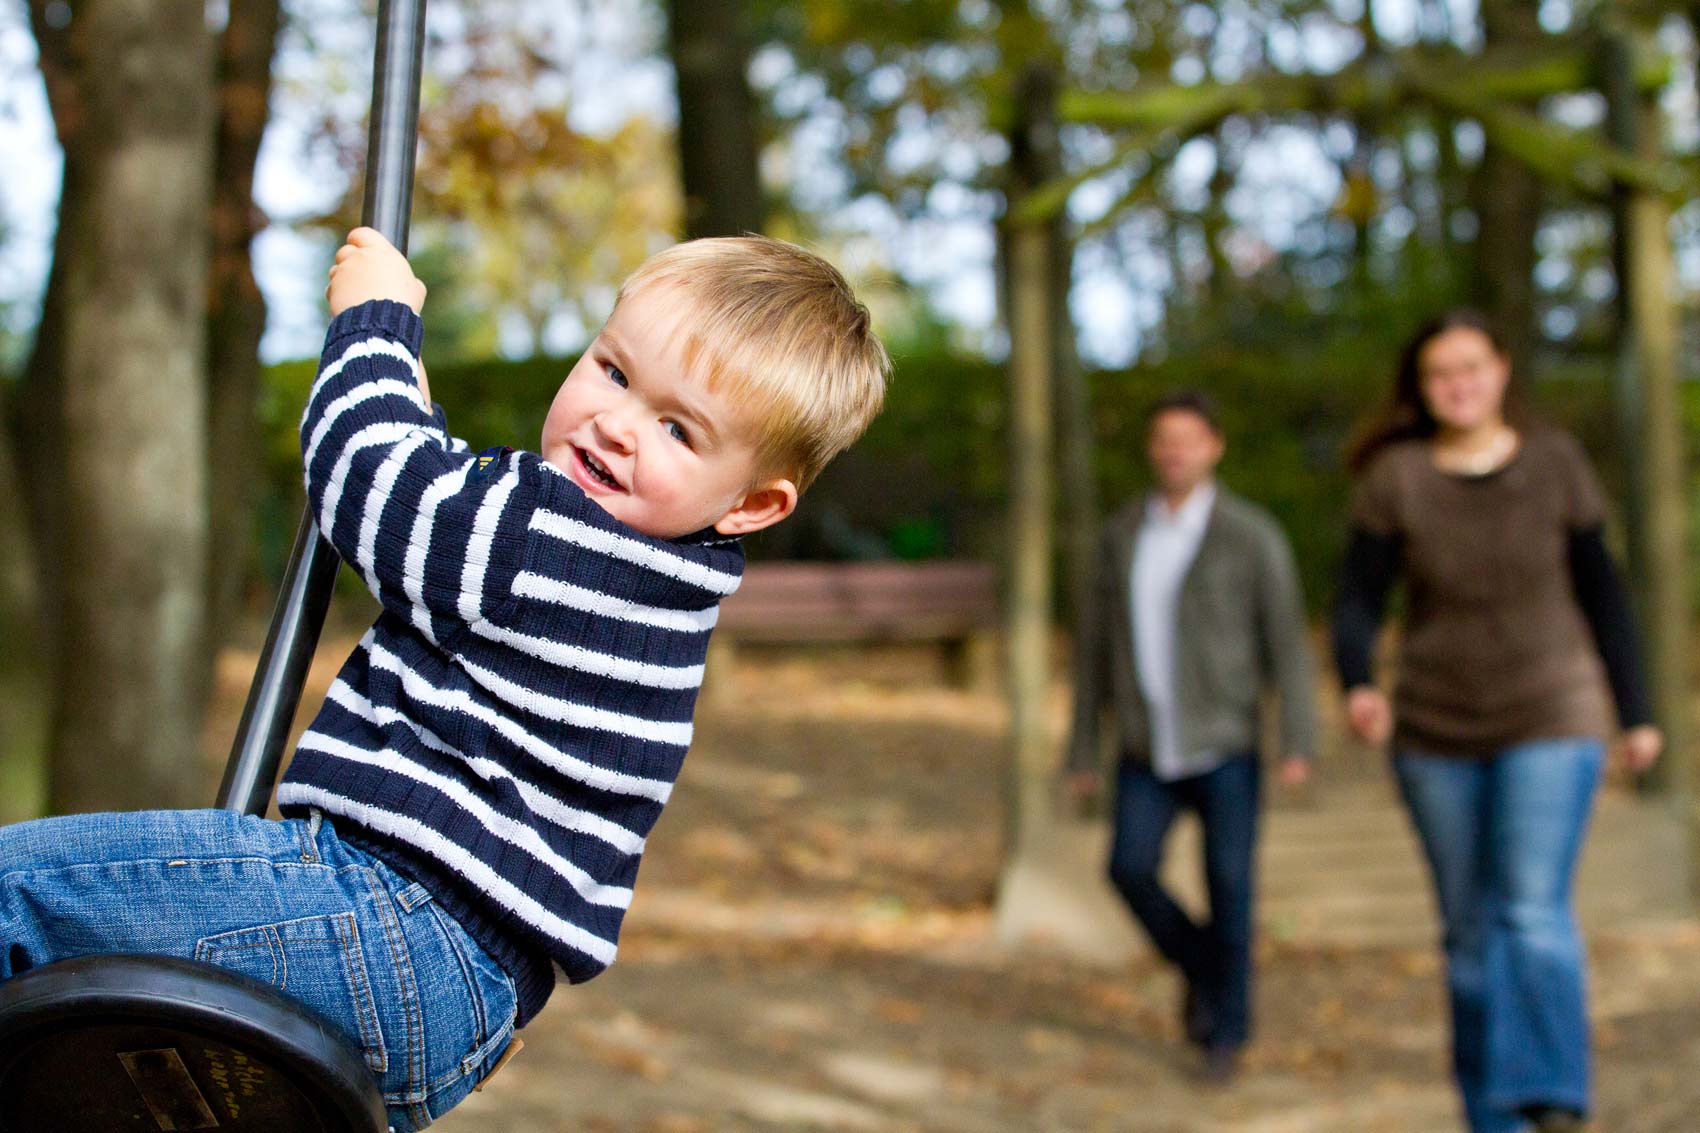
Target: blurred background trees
[(1256, 196), (107, 416)]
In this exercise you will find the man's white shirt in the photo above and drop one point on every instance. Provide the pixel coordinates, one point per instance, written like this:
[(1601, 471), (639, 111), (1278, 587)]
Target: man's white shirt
[(1168, 542)]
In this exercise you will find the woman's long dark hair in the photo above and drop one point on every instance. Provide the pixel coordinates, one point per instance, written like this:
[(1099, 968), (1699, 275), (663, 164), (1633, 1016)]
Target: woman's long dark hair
[(1406, 416)]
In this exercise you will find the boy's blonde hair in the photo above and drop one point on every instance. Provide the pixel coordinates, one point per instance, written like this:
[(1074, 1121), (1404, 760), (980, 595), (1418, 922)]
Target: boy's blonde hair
[(778, 329)]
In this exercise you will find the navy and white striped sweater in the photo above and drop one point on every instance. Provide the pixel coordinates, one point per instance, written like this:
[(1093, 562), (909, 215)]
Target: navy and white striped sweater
[(509, 729)]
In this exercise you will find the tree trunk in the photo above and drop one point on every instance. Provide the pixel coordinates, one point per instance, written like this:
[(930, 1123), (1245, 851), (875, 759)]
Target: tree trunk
[(18, 590), (1075, 435), (1213, 223), (1651, 429), (1507, 205), (718, 150), (1449, 191), (35, 419), (1032, 357), (1031, 533), (1693, 14), (1361, 192), (1507, 212), (112, 410), (1039, 890), (236, 311)]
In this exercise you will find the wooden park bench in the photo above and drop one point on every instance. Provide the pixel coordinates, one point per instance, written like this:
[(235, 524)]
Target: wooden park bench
[(951, 602)]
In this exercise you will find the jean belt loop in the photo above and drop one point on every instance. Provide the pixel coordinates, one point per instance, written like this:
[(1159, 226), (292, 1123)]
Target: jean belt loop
[(310, 838)]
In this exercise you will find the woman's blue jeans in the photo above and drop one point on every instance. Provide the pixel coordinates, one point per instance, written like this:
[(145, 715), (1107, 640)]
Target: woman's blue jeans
[(1502, 836), (287, 902)]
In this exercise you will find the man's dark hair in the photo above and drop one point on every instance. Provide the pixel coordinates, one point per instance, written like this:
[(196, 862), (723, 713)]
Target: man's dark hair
[(1194, 401)]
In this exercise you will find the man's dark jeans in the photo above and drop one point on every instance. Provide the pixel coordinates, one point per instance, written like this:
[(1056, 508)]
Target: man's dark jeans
[(1215, 957)]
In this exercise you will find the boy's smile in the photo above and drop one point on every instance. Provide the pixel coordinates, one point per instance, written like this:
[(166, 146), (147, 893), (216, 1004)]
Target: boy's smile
[(642, 434), (599, 472)]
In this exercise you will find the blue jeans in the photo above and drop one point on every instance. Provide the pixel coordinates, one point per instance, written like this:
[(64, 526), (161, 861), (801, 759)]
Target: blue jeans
[(1502, 836), (287, 902), (1215, 957)]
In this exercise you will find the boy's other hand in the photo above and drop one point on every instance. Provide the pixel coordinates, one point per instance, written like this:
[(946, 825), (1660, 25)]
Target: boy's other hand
[(369, 267)]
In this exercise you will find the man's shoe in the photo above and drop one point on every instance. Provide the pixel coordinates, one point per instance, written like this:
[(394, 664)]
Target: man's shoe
[(1221, 1065), (1552, 1119), (1197, 1020)]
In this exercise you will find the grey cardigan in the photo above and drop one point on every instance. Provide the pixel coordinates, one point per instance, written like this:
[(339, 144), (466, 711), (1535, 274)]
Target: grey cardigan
[(1241, 628)]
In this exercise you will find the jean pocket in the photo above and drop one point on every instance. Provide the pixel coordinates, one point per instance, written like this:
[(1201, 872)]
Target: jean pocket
[(314, 960)]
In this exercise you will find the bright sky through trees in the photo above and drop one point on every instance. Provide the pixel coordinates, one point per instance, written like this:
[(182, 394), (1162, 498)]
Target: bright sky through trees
[(613, 68)]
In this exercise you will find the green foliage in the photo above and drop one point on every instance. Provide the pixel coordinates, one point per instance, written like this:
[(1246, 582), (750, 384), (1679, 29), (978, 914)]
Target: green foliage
[(533, 218), (1285, 424), (944, 69), (930, 476)]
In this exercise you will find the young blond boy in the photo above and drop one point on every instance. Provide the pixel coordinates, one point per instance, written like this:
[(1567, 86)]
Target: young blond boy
[(465, 817)]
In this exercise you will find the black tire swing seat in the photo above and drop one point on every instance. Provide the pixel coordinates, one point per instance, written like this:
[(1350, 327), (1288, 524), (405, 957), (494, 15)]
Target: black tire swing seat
[(110, 1044), (115, 1043)]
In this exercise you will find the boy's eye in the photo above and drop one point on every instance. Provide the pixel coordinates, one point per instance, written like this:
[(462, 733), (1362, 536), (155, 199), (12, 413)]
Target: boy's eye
[(677, 431), (618, 376)]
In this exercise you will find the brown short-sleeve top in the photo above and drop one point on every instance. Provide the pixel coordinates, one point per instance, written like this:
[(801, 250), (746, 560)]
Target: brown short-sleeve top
[(1495, 650)]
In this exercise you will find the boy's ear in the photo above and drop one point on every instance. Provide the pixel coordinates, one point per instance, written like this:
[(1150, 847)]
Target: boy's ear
[(762, 506)]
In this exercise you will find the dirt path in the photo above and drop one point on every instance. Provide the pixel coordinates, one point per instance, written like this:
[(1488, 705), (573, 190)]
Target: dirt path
[(694, 1034), (812, 948)]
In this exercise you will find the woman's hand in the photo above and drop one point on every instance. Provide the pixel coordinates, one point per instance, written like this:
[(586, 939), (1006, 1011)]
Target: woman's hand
[(1369, 714), (369, 267), (1642, 747)]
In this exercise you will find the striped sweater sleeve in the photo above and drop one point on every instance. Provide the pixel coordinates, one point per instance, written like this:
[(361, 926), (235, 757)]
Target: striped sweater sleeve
[(436, 539)]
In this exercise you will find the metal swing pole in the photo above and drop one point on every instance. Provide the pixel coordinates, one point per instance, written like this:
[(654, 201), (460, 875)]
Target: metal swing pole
[(310, 576)]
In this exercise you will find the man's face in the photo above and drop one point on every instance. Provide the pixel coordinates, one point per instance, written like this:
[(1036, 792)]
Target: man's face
[(1184, 450), (641, 433)]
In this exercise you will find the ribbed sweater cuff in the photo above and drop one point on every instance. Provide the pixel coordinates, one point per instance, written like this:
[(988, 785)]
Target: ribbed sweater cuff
[(383, 316)]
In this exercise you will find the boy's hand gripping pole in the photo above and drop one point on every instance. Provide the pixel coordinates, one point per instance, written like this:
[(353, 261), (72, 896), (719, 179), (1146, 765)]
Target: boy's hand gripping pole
[(311, 574)]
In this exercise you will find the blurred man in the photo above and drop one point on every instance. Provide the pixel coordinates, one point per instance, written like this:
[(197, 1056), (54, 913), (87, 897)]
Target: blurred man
[(1196, 609)]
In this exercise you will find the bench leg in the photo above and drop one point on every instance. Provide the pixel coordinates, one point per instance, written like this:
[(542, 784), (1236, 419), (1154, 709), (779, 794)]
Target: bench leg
[(971, 662)]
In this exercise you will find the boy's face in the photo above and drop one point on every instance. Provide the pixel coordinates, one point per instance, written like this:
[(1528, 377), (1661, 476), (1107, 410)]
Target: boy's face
[(647, 440)]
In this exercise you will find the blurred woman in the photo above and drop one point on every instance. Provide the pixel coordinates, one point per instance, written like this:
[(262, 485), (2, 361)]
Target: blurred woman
[(1517, 650)]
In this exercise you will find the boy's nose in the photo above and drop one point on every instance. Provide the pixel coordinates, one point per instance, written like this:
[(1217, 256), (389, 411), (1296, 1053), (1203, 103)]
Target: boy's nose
[(616, 430)]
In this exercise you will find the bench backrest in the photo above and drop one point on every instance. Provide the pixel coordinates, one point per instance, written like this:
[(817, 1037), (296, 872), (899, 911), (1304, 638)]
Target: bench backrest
[(861, 601)]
